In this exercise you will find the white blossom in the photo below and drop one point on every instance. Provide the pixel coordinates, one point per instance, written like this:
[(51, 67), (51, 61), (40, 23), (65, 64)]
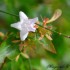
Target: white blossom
[(25, 25)]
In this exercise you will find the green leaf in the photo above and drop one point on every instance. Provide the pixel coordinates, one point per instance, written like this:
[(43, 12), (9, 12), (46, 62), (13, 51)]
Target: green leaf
[(47, 44), (7, 51)]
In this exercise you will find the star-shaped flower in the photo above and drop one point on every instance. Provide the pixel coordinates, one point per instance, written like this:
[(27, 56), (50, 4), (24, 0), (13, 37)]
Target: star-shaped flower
[(25, 25)]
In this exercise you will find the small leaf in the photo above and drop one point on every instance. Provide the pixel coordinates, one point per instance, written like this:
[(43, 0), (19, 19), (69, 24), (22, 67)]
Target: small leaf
[(1, 34), (25, 55), (48, 36), (48, 45), (17, 57)]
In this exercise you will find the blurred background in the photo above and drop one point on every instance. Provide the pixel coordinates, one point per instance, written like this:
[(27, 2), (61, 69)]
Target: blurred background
[(34, 8)]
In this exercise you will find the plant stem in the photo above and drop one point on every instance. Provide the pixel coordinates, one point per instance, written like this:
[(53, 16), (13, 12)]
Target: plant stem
[(54, 31), (39, 25), (9, 13)]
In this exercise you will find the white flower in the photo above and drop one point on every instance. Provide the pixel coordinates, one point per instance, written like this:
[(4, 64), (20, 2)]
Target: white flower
[(25, 25)]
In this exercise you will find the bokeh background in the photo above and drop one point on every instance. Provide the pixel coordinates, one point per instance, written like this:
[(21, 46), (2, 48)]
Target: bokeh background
[(35, 8)]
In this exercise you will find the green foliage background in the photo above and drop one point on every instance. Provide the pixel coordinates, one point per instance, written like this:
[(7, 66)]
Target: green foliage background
[(35, 8)]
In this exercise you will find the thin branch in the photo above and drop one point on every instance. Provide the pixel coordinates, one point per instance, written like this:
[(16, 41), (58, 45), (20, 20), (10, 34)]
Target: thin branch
[(41, 17), (54, 31), (9, 13), (39, 25)]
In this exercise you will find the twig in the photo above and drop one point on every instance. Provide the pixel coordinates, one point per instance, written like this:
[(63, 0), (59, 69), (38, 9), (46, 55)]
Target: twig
[(9, 13), (54, 31), (39, 25)]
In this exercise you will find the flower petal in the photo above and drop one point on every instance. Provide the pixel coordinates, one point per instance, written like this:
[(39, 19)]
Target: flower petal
[(23, 35), (32, 24), (17, 25), (22, 16), (33, 21), (32, 28)]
